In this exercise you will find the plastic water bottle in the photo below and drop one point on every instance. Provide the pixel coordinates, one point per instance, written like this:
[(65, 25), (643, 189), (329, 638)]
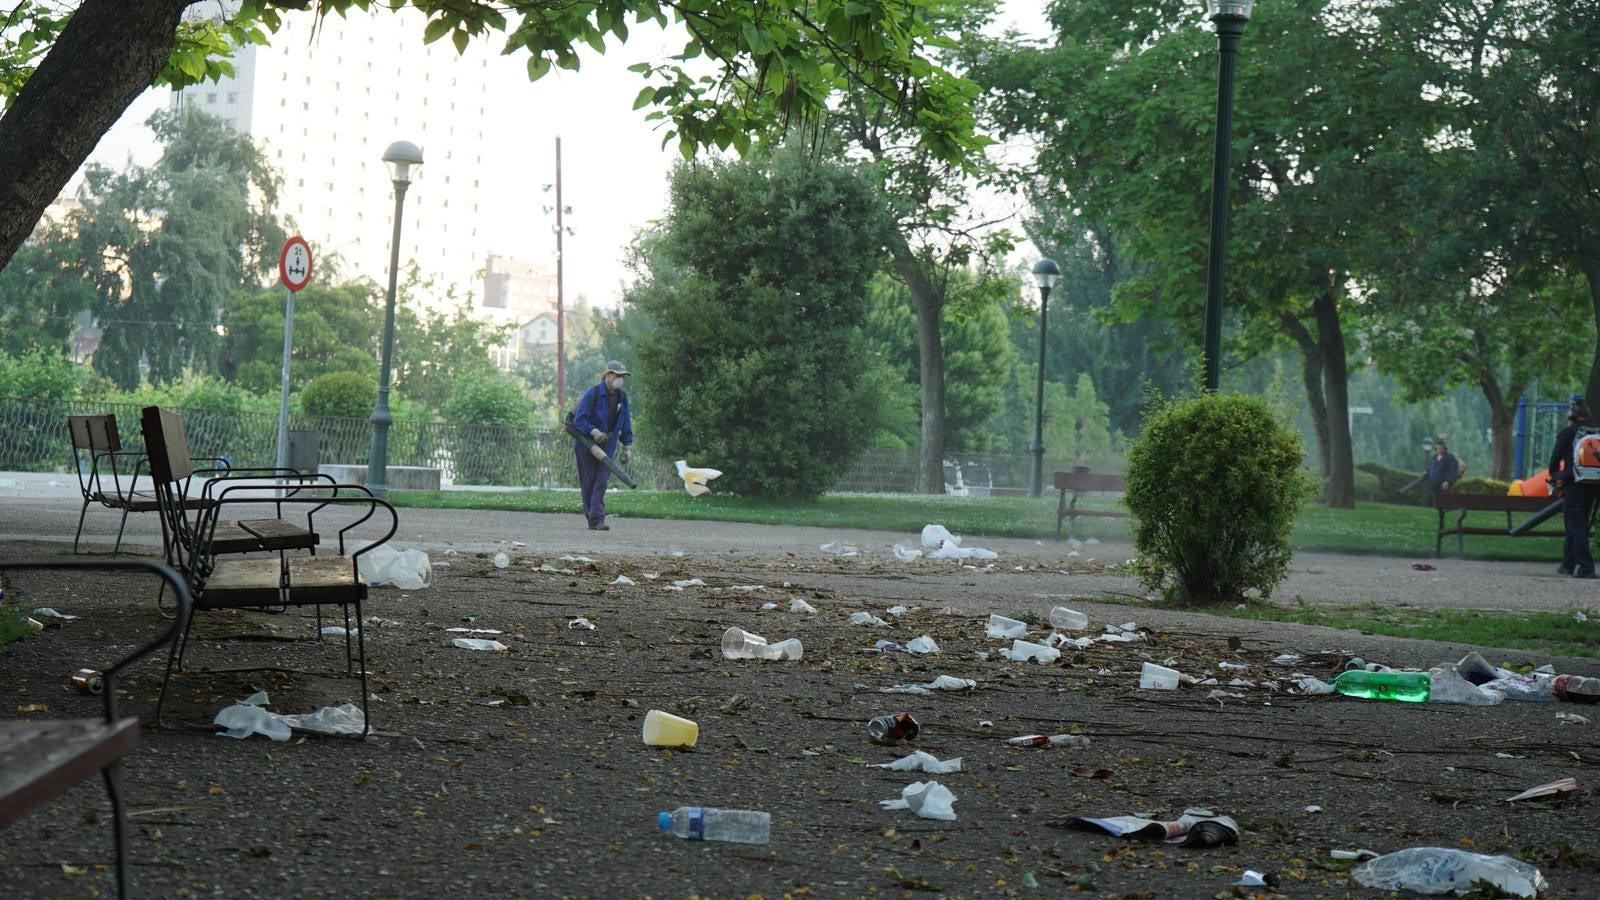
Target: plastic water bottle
[(1412, 687), (702, 823)]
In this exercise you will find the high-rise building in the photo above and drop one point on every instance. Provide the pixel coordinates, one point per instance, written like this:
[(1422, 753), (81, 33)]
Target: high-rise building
[(522, 295), (326, 98)]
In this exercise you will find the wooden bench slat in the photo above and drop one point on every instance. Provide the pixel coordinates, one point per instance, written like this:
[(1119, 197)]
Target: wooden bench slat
[(40, 760), (276, 534), (243, 582), (324, 579)]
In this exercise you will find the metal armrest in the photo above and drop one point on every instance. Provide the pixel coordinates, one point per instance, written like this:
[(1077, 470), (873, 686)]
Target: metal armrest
[(214, 513), (161, 570)]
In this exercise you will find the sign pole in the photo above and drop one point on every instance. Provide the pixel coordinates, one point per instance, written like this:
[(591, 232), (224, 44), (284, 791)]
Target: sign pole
[(283, 390)]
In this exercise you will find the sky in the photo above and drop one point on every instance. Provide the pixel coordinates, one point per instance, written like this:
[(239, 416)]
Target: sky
[(614, 170)]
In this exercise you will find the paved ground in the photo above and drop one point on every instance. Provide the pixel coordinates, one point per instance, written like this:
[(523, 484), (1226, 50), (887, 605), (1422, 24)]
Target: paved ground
[(45, 507)]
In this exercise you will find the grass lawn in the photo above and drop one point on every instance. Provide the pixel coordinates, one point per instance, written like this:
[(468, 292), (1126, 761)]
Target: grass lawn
[(13, 623), (1368, 528), (1550, 632)]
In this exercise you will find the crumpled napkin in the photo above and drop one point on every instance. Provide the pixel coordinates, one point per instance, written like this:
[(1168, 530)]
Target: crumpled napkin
[(928, 799), (922, 761), (942, 683), (924, 644)]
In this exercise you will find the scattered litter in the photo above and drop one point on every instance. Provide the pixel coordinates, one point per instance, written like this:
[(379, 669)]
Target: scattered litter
[(581, 622), (740, 644), (501, 560), (1447, 686), (1572, 718), (519, 543), (1005, 628), (1058, 640), (897, 611), (893, 729), (663, 729), (840, 549), (340, 631), (934, 536), (1195, 828), (1220, 695), (1423, 567), (652, 576), (694, 479), (1070, 741), (33, 708), (928, 799), (942, 683), (478, 644), (923, 761), (906, 554), (408, 570), (1024, 651), (552, 570), (797, 605), (888, 647), (248, 717), (1352, 854), (473, 630), (1157, 678), (45, 612), (624, 580), (747, 588), (1252, 878), (1441, 870), (926, 644), (1579, 616), (1566, 785), (1313, 809), (1313, 685), (866, 618), (767, 607), (952, 550), (34, 625), (1287, 659), (1068, 619), (689, 583), (579, 559)]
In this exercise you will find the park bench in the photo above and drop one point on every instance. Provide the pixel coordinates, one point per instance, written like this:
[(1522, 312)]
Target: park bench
[(1077, 484), (97, 453), (1463, 504), (273, 582), (41, 759)]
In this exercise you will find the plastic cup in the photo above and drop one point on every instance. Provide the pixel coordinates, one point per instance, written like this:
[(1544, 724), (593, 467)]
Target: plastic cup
[(790, 649), (1003, 627), (663, 729), (1157, 678), (1068, 619), (740, 644), (1021, 649)]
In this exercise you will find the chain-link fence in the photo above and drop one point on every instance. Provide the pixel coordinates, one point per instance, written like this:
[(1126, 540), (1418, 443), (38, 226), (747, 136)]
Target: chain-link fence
[(33, 438)]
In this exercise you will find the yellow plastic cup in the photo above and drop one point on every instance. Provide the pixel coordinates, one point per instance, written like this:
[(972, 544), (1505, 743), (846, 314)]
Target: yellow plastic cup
[(663, 729)]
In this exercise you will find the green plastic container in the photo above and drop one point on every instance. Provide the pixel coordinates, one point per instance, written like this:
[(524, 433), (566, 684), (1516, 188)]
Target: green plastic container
[(1410, 687)]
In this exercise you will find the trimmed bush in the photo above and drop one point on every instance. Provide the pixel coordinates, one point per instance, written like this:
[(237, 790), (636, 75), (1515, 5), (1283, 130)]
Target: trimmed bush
[(498, 447), (1487, 486), (1390, 481), (1214, 485), (1366, 485), (342, 395)]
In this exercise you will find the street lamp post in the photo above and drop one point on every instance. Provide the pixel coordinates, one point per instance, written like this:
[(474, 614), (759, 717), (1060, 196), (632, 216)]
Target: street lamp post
[(1229, 16), (1046, 273), (401, 157)]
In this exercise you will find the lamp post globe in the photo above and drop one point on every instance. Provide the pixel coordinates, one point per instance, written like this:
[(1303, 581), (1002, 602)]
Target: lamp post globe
[(1045, 273), (1229, 17), (402, 157)]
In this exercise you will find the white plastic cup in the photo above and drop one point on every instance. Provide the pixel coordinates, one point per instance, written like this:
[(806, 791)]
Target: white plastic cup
[(740, 644), (1003, 627), (790, 649), (1157, 678), (1021, 649), (663, 729), (1068, 619)]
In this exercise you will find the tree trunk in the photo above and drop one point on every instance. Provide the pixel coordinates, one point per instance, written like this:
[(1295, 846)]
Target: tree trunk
[(1341, 467), (929, 303), (1502, 419), (109, 53), (1311, 376), (1591, 272)]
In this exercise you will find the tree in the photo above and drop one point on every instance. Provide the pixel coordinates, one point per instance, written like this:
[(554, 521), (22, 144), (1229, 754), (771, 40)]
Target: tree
[(163, 245), (974, 342), (771, 63), (336, 329), (757, 287), (1123, 104), (437, 343), (41, 293)]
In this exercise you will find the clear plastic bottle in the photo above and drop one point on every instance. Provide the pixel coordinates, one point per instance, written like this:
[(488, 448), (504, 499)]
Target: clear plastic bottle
[(1411, 687), (702, 823)]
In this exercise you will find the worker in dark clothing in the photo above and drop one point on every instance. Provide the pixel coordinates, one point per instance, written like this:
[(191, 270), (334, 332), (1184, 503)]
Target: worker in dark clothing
[(1444, 469), (1577, 499), (603, 415)]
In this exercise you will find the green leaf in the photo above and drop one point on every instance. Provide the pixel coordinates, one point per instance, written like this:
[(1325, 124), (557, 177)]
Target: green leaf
[(646, 97)]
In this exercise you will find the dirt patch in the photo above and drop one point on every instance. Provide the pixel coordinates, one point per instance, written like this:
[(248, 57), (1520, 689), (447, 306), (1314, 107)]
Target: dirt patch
[(522, 773)]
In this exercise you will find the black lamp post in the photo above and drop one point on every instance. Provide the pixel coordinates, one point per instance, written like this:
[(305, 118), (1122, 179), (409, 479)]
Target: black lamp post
[(1229, 16), (1046, 273), (401, 157)]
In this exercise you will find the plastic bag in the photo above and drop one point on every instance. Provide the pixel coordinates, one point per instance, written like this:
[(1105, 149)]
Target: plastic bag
[(906, 554), (408, 570), (953, 550), (866, 618), (937, 536), (922, 761), (1441, 870), (924, 644), (478, 644), (928, 799), (1449, 687)]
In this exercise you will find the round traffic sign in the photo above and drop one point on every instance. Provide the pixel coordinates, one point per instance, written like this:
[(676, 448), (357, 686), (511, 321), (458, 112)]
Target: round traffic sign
[(294, 263)]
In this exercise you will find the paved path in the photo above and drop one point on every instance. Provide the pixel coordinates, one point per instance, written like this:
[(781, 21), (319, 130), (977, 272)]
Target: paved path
[(45, 507)]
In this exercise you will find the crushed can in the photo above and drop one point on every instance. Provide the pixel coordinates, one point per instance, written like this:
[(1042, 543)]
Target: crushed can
[(893, 729), (88, 681), (1577, 689)]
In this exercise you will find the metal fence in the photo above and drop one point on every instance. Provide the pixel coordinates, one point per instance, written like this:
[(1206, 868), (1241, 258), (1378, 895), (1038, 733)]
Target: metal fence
[(33, 438)]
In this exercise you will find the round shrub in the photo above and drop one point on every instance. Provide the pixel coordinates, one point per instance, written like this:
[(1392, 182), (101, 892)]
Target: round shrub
[(343, 395), (1214, 484), (490, 434)]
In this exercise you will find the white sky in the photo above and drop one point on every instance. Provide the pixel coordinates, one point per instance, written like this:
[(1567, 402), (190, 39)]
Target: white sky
[(614, 169)]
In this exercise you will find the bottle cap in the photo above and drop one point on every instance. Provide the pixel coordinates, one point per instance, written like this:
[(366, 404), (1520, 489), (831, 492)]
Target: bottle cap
[(664, 821)]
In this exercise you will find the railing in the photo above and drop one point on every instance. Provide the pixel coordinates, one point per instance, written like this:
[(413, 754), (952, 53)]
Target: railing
[(33, 438)]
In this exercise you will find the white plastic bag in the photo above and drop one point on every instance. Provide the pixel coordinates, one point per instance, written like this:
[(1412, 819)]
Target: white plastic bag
[(796, 605), (936, 536), (1442, 870), (408, 570), (478, 644), (924, 644), (866, 618), (928, 799), (922, 761)]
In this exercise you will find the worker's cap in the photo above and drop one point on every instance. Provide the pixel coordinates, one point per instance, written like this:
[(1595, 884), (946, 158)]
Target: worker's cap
[(1579, 409), (615, 367)]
